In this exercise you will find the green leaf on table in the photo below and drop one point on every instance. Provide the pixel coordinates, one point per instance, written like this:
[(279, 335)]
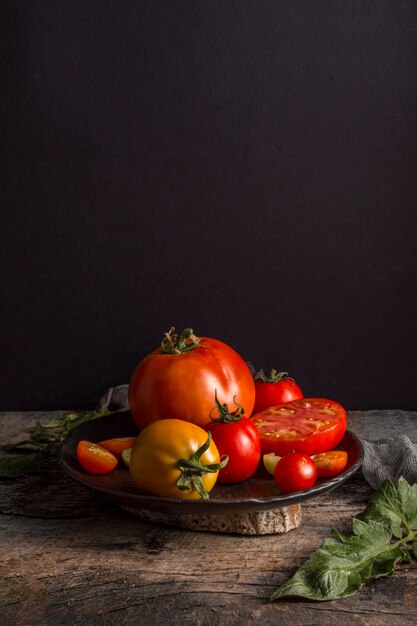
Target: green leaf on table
[(407, 556), (385, 507), (18, 466), (394, 506), (8, 447), (337, 570), (47, 438), (408, 499), (379, 541)]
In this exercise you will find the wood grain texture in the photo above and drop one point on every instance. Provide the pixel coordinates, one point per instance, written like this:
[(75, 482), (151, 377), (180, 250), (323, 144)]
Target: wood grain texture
[(270, 522), (67, 557)]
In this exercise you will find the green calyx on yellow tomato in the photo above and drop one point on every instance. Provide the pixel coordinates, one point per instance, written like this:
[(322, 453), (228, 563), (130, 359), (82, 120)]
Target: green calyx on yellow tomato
[(175, 459), (192, 470), (226, 416)]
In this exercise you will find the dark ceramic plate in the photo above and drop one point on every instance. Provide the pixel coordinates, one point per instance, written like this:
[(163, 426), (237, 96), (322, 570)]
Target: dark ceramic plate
[(256, 494)]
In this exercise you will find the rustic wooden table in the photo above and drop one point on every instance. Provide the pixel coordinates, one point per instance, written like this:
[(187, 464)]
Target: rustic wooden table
[(68, 557)]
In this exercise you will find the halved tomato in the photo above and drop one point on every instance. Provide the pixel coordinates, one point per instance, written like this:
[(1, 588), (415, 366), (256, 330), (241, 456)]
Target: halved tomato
[(117, 445), (308, 425), (94, 458), (331, 463)]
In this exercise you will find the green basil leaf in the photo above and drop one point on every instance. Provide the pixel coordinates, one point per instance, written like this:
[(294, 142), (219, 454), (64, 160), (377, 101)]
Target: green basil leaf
[(17, 466)]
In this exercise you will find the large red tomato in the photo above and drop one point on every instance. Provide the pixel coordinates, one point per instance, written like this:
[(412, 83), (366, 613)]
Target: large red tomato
[(179, 379), (309, 425)]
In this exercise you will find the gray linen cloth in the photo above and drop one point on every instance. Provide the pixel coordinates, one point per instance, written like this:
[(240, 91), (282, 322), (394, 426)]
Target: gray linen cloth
[(115, 399), (387, 458), (390, 458)]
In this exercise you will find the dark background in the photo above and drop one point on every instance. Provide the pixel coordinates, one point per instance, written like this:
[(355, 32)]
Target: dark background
[(246, 168)]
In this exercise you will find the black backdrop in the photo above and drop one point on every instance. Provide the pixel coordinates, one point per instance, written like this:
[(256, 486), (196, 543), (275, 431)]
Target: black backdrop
[(246, 168)]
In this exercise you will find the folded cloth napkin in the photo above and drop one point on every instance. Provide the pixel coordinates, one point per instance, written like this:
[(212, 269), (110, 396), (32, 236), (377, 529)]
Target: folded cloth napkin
[(387, 458), (390, 458), (115, 399)]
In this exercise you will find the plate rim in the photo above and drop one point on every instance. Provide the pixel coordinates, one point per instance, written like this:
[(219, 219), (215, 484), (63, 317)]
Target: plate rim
[(211, 506)]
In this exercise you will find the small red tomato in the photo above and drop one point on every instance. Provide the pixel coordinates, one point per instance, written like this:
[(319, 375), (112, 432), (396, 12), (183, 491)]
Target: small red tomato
[(236, 437), (331, 463), (295, 472), (277, 388), (117, 445), (94, 458)]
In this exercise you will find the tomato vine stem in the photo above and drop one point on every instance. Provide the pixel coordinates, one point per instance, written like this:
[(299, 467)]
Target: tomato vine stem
[(226, 416), (178, 343), (274, 376), (192, 470)]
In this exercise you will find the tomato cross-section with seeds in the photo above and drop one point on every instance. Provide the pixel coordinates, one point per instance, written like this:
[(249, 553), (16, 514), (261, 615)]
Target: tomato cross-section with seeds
[(308, 425)]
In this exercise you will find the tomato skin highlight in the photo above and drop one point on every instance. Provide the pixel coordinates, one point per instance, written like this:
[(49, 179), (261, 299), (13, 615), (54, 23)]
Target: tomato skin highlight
[(272, 394), (308, 425), (117, 445), (155, 454), (241, 443), (94, 458), (330, 463), (181, 386), (295, 472)]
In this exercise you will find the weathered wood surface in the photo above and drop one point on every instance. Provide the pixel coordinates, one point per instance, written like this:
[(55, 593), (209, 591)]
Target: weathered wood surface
[(68, 557)]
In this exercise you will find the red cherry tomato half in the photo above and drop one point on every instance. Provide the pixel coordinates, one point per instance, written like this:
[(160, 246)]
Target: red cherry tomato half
[(295, 472), (118, 445), (240, 441), (273, 393), (94, 458), (331, 463), (308, 425)]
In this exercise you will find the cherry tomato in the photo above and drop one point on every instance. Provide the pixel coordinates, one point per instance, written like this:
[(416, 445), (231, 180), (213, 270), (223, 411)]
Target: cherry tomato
[(177, 381), (94, 458), (118, 445), (160, 460), (295, 472), (309, 425), (331, 463), (236, 437), (277, 388)]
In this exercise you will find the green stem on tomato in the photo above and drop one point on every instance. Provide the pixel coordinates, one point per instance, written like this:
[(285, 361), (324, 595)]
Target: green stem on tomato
[(274, 376), (178, 343), (226, 416), (192, 470)]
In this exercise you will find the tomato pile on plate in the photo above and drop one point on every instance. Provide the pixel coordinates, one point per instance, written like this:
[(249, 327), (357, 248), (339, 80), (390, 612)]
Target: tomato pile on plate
[(204, 417)]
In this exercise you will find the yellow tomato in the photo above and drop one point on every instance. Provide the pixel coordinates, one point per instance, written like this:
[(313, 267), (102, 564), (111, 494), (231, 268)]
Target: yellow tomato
[(175, 459)]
